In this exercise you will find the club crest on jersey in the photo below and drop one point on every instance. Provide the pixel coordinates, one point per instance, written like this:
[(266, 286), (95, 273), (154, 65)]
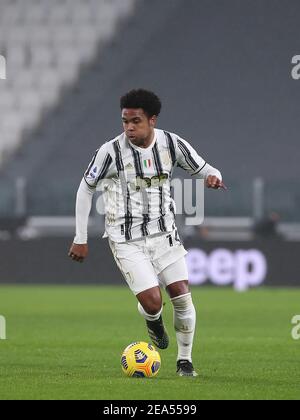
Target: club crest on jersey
[(147, 163)]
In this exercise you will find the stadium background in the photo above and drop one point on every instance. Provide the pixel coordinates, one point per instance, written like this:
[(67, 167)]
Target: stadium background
[(224, 73)]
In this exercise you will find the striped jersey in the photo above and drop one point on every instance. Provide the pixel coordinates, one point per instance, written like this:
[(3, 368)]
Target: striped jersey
[(136, 183)]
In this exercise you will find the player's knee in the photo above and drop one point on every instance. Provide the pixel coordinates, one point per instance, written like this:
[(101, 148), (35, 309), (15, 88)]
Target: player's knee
[(151, 301)]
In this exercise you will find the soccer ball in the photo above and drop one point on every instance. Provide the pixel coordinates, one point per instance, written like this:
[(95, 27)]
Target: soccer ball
[(140, 360)]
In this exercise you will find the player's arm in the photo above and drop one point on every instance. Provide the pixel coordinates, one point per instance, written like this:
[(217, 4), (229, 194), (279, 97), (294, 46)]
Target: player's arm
[(79, 248), (189, 160), (97, 170)]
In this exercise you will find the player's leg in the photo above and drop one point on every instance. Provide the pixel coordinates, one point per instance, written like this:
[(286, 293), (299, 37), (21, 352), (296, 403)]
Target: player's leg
[(169, 262), (140, 276), (184, 313), (150, 307), (150, 301)]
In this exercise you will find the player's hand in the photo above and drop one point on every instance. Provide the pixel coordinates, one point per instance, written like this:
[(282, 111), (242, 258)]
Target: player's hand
[(78, 252), (215, 183)]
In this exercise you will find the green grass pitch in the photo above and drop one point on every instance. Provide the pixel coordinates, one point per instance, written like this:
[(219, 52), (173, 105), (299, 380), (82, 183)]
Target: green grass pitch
[(66, 342)]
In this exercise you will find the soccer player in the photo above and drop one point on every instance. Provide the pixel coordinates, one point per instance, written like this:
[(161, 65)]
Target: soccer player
[(135, 170)]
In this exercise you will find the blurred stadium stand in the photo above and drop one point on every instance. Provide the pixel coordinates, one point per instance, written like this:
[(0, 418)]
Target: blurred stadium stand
[(46, 43), (223, 77)]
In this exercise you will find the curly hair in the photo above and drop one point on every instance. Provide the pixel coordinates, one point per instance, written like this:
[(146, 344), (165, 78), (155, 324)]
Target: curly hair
[(144, 99)]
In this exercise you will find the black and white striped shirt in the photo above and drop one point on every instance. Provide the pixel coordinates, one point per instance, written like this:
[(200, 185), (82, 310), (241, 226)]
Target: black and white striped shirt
[(136, 185)]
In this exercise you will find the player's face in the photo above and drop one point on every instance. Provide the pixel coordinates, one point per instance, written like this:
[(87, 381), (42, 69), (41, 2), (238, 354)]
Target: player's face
[(137, 125)]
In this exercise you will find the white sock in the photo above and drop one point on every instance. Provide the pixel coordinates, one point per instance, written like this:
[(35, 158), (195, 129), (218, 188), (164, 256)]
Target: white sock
[(184, 324), (147, 316)]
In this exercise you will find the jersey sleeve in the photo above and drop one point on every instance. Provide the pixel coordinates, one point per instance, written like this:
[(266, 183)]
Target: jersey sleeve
[(83, 209), (100, 166), (188, 159)]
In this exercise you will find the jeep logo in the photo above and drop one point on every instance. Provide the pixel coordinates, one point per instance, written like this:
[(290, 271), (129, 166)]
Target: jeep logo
[(242, 268), (155, 181)]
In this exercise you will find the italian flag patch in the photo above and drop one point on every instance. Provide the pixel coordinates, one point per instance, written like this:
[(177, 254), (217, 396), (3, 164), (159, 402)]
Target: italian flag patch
[(147, 163)]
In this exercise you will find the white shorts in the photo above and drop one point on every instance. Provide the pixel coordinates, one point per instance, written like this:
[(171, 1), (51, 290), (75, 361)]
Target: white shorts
[(151, 261)]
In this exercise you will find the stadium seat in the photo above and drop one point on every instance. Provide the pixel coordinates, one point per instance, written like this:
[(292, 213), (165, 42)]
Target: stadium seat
[(46, 44)]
